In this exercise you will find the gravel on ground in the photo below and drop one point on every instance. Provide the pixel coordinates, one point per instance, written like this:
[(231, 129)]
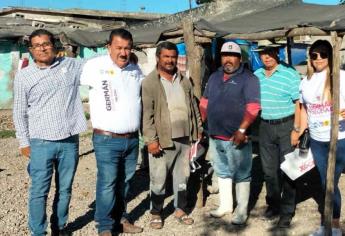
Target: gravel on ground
[(14, 184)]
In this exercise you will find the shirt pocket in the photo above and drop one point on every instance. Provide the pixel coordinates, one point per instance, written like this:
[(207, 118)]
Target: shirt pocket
[(66, 79), (134, 87)]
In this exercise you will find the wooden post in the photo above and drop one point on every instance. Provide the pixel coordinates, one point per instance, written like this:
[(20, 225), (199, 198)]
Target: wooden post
[(328, 213), (289, 42), (194, 55)]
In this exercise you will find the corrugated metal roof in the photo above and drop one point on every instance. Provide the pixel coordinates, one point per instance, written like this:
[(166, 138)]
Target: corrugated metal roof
[(101, 14)]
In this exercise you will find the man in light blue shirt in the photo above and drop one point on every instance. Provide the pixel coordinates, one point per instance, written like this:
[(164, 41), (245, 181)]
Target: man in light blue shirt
[(48, 116), (279, 86)]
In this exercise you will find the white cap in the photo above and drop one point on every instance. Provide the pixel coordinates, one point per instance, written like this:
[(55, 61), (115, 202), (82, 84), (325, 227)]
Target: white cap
[(266, 44), (231, 47)]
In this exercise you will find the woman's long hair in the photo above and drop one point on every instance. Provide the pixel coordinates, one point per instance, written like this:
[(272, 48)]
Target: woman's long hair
[(325, 47)]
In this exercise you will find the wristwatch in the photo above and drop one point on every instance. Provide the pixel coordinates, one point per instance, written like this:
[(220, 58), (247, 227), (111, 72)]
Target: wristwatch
[(242, 130), (296, 129)]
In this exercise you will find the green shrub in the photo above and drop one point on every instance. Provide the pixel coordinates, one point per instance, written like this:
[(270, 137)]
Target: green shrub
[(87, 115), (7, 134)]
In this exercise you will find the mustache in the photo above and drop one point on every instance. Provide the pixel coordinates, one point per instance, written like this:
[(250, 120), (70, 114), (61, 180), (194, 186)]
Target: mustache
[(170, 64), (228, 64), (43, 53)]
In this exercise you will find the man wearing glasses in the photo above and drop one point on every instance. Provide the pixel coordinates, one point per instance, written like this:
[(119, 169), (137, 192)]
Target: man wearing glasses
[(48, 116), (278, 132)]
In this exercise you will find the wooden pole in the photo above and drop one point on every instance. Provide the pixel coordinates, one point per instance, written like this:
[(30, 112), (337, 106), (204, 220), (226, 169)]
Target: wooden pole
[(328, 213), (289, 42), (194, 55)]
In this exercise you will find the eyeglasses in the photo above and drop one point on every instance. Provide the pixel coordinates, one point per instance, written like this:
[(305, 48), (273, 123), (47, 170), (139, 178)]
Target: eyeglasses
[(323, 55), (43, 45)]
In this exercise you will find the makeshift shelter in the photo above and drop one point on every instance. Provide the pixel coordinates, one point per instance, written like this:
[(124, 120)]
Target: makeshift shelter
[(255, 20), (81, 33), (74, 24)]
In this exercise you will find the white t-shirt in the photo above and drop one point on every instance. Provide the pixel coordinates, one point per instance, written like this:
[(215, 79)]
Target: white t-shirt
[(115, 101), (319, 113)]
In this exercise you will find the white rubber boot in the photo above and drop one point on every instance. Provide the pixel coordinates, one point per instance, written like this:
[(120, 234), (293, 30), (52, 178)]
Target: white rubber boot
[(225, 198), (242, 195)]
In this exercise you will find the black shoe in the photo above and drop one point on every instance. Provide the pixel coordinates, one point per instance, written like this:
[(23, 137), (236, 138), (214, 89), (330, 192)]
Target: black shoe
[(284, 221), (271, 213), (61, 232)]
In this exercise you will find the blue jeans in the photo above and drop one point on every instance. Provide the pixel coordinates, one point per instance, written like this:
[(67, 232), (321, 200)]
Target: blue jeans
[(61, 155), (231, 162), (116, 163), (320, 153)]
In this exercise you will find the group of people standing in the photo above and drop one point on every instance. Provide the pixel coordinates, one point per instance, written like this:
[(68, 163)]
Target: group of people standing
[(48, 117)]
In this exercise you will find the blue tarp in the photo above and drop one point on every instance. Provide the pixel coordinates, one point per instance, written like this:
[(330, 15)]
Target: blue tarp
[(298, 53)]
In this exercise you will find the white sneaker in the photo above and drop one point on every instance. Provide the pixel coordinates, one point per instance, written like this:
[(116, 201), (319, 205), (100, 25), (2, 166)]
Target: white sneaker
[(319, 232)]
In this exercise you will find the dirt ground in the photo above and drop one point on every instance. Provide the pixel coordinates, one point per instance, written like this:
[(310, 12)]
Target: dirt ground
[(14, 183)]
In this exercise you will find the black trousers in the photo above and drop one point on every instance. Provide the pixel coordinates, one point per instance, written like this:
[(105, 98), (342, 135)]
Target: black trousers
[(274, 140)]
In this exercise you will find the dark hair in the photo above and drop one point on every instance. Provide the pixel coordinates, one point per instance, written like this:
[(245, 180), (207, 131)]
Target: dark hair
[(322, 46), (272, 52), (325, 47), (166, 45), (122, 33), (40, 32)]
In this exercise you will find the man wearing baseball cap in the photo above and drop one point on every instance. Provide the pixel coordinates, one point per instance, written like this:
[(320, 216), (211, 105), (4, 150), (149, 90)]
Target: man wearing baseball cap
[(231, 103)]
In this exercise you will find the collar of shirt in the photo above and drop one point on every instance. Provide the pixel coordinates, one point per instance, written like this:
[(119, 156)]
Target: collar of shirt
[(173, 79), (56, 62), (111, 62), (278, 68), (226, 77)]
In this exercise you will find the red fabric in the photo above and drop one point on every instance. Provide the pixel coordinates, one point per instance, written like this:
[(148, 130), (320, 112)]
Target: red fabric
[(203, 108), (25, 63), (226, 77), (252, 110), (224, 138)]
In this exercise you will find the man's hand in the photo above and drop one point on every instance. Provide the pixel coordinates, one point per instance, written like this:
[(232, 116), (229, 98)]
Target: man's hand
[(25, 151), (200, 136), (294, 138), (239, 138), (154, 148)]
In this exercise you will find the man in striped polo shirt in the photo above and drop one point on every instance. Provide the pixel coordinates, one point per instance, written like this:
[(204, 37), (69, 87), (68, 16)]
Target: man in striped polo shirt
[(279, 86)]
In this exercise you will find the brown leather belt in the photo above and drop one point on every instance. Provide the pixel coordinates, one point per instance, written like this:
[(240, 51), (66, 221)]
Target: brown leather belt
[(115, 135)]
